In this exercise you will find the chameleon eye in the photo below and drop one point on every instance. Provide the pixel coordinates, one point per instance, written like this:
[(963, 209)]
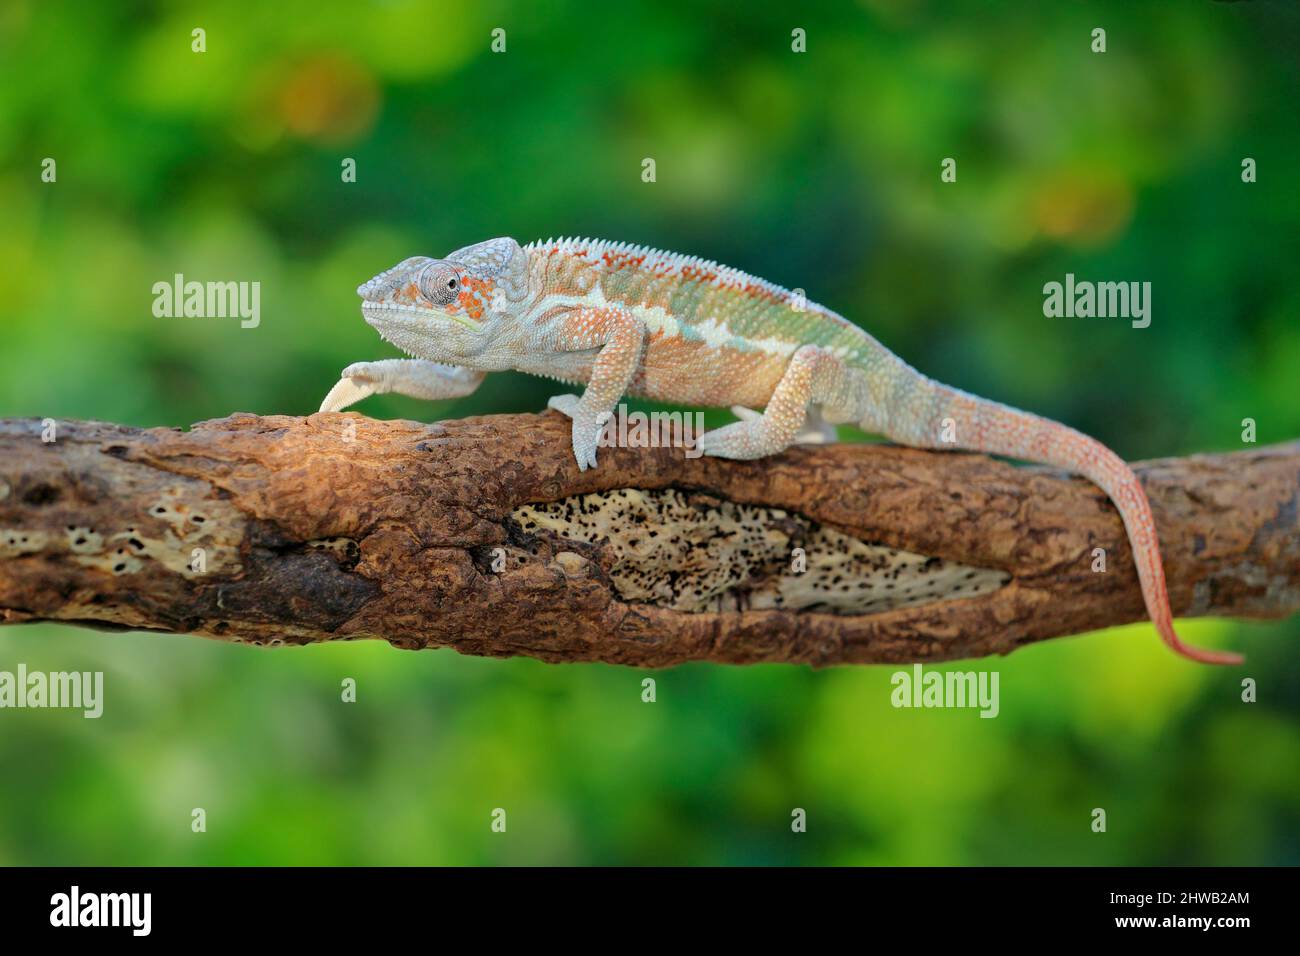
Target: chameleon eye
[(439, 283)]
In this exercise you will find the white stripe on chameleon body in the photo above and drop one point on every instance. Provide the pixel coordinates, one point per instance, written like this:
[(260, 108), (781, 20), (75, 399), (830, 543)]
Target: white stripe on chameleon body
[(657, 319), (673, 265)]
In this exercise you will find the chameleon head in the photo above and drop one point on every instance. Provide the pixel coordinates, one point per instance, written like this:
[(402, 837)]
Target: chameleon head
[(447, 308)]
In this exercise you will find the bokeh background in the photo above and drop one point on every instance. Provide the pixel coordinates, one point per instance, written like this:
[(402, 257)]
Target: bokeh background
[(817, 170)]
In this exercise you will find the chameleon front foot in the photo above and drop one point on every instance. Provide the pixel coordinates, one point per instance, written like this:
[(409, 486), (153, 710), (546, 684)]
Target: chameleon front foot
[(415, 377), (357, 381), (568, 404), (586, 431)]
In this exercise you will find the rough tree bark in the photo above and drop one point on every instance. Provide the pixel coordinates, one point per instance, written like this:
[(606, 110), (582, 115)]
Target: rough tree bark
[(285, 530)]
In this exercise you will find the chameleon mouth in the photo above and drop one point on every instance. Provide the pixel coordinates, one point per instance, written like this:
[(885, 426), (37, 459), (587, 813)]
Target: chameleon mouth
[(409, 317)]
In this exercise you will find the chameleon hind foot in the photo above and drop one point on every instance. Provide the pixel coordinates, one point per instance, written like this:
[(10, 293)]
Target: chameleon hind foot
[(751, 437), (816, 430), (788, 416)]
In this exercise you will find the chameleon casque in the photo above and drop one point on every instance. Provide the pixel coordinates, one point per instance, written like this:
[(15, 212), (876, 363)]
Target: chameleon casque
[(625, 319)]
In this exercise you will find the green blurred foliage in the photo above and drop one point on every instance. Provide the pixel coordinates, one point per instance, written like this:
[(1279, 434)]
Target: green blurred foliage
[(816, 170)]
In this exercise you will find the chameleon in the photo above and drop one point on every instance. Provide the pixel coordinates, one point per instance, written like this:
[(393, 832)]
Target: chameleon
[(624, 319)]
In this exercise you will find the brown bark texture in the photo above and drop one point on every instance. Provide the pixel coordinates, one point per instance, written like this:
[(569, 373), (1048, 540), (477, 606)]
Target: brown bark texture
[(287, 530)]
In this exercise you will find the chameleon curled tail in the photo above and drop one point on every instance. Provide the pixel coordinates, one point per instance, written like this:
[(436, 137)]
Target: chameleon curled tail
[(955, 419)]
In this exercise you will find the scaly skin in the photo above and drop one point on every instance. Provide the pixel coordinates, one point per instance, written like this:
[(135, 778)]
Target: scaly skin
[(628, 320)]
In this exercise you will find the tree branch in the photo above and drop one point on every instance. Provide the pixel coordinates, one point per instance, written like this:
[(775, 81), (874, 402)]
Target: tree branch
[(337, 527)]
